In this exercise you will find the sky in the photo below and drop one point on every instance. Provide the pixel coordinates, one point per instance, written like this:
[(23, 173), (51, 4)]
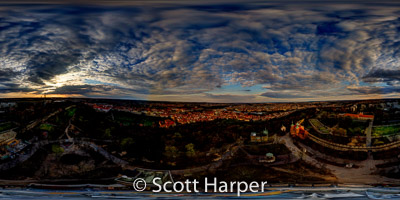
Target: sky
[(201, 51)]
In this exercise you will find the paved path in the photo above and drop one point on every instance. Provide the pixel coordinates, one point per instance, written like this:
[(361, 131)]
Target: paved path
[(67, 129), (228, 154), (281, 159), (361, 175)]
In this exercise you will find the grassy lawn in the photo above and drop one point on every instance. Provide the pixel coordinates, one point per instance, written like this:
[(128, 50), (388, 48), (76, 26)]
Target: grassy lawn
[(385, 130), (46, 127), (71, 112)]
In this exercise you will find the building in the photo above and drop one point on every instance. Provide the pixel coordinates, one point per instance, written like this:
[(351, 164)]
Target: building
[(7, 137), (102, 108), (13, 143), (258, 137), (166, 123), (353, 108), (298, 130), (268, 158), (359, 116), (283, 128)]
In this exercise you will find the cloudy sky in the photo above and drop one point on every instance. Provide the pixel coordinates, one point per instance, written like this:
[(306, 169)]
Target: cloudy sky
[(262, 51)]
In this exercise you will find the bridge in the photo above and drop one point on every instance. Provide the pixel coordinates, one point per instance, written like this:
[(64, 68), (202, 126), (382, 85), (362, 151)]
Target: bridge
[(342, 147), (315, 123)]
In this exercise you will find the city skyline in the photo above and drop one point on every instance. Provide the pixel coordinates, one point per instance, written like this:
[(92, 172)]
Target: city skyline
[(197, 51)]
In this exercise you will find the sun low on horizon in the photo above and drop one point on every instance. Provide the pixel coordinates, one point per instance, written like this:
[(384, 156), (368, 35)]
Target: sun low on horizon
[(207, 51)]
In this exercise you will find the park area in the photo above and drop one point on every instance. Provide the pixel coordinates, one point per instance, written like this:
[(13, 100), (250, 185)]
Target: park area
[(71, 112), (385, 130), (46, 127)]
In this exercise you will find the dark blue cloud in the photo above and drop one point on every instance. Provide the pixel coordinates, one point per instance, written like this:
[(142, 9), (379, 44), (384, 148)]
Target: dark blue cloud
[(383, 75), (375, 90), (284, 95)]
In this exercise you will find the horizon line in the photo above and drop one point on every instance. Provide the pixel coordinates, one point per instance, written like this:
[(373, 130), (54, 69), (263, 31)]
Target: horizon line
[(93, 98)]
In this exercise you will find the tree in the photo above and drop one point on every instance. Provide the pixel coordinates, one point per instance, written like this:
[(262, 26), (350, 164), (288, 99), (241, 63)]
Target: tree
[(378, 142), (177, 135), (340, 131), (107, 133), (190, 152), (147, 123), (347, 122), (171, 151), (57, 149), (126, 143)]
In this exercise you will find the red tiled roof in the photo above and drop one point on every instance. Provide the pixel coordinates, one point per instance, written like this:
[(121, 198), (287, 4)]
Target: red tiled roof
[(358, 115)]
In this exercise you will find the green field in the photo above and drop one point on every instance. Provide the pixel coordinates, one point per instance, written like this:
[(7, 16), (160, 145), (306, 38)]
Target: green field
[(385, 130), (71, 112), (46, 127)]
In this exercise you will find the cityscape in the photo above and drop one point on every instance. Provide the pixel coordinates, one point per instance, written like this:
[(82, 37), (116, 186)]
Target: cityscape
[(59, 142)]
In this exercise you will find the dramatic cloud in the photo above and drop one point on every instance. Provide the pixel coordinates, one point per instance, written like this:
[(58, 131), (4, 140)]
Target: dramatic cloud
[(284, 95), (375, 90), (201, 51), (383, 75)]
